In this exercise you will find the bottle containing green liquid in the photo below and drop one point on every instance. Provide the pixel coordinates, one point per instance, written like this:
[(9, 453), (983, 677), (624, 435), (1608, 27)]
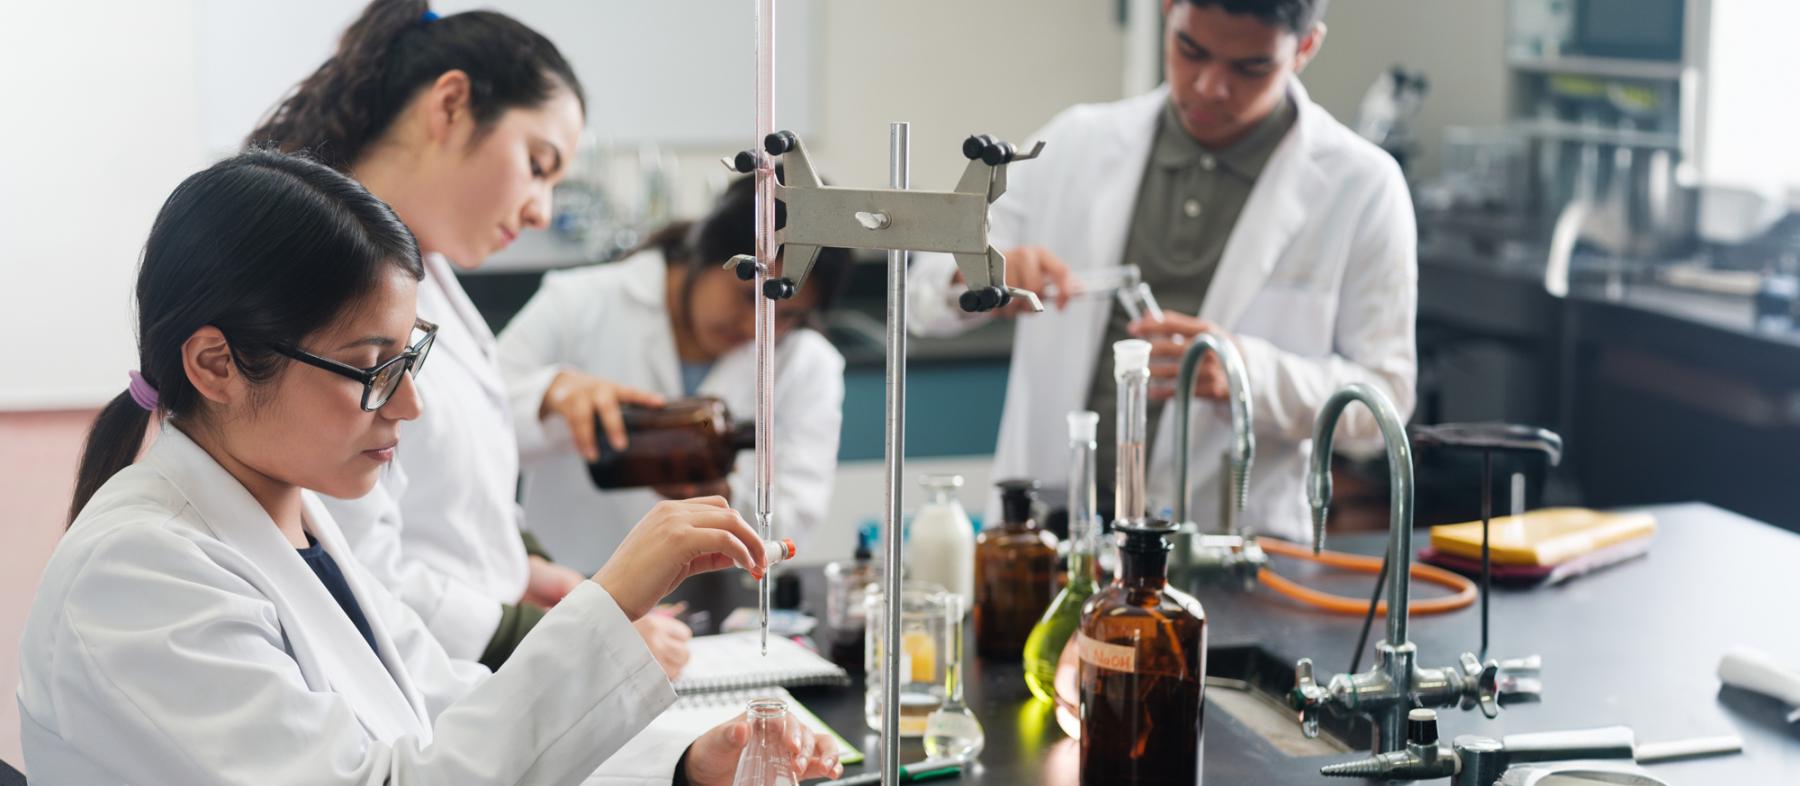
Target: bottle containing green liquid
[(1044, 647)]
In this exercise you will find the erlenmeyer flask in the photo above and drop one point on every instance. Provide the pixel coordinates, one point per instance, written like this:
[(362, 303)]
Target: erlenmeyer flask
[(766, 761)]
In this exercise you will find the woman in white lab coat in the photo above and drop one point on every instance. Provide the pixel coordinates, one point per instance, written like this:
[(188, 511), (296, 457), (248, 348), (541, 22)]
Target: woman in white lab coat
[(666, 322), (203, 620), (463, 124)]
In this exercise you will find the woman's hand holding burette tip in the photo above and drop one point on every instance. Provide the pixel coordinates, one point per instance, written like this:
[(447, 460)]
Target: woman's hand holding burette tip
[(678, 539)]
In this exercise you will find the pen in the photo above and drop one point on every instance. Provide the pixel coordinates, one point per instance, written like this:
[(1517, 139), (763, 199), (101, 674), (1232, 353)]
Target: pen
[(927, 770)]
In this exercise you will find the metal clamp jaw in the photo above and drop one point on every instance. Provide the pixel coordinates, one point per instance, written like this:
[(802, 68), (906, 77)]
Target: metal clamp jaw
[(811, 215)]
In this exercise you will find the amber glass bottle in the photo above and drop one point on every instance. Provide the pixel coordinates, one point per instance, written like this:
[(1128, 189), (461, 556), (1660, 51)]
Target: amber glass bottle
[(689, 441), (1015, 575), (1143, 664)]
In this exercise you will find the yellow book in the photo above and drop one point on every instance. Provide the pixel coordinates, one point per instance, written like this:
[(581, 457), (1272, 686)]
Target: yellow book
[(1550, 536)]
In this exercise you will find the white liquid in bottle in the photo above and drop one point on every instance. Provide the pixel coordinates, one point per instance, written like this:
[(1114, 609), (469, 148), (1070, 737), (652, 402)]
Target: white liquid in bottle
[(941, 545)]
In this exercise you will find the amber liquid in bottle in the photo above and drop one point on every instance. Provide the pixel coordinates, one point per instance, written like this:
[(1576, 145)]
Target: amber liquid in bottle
[(1015, 575), (1142, 647), (688, 441)]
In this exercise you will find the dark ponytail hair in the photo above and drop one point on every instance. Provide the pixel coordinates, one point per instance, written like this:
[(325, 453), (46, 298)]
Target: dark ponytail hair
[(269, 249), (730, 229), (390, 53)]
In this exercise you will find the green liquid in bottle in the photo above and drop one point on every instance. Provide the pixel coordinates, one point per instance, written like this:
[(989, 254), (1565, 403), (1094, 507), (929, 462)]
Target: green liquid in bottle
[(1044, 647)]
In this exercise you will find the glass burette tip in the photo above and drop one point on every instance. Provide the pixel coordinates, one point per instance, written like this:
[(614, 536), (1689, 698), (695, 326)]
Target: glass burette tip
[(762, 584)]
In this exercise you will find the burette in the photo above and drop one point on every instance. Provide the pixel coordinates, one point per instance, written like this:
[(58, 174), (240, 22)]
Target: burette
[(765, 307)]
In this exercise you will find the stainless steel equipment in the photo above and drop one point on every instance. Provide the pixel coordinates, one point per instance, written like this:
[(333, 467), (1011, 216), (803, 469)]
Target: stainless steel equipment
[(1396, 684), (1232, 554)]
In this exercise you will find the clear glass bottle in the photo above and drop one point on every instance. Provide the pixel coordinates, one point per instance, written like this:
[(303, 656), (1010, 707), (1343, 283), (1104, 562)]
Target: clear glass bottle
[(1015, 574), (941, 541), (1044, 647), (1141, 644), (951, 730), (688, 441), (766, 761)]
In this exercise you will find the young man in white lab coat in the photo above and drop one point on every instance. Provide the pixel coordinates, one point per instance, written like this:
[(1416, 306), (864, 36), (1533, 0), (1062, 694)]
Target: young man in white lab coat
[(1251, 212)]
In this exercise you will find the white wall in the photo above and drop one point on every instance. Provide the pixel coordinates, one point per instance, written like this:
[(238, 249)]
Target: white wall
[(1459, 44), (950, 68), (100, 127), (125, 98)]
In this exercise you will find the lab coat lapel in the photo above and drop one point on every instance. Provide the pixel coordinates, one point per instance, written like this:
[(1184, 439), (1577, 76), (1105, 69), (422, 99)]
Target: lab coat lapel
[(1116, 170), (646, 285), (326, 531), (1273, 215), (1118, 166), (325, 643), (465, 334)]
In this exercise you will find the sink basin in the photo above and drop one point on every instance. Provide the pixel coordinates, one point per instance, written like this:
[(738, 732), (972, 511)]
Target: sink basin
[(1251, 685)]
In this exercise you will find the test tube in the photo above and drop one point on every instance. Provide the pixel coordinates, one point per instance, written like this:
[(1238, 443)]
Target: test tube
[(1131, 369)]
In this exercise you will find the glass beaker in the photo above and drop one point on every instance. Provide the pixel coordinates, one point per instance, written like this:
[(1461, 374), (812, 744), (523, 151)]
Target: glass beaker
[(925, 645), (765, 760)]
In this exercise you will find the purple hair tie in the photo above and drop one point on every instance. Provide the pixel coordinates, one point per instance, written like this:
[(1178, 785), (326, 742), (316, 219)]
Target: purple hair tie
[(141, 392)]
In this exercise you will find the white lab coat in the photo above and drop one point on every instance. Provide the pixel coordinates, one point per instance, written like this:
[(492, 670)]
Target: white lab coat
[(177, 637), (441, 529), (1318, 283), (612, 321)]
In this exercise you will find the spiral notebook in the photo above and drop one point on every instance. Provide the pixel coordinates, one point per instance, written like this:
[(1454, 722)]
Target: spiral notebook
[(734, 661)]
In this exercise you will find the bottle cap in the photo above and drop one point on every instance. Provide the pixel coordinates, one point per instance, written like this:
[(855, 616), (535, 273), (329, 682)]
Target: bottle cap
[(1151, 536), (1016, 498), (1131, 355), (1083, 426), (866, 535)]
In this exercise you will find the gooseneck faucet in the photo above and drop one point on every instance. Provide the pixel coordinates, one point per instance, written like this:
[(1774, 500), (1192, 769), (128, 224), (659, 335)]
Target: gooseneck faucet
[(1395, 684), (1233, 553)]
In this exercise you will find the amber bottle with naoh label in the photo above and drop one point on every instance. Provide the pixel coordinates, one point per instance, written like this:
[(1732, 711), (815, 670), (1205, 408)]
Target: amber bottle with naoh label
[(1142, 648)]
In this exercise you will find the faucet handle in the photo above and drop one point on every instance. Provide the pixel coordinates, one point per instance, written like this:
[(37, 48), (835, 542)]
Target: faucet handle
[(1520, 680), (1483, 686), (1307, 697)]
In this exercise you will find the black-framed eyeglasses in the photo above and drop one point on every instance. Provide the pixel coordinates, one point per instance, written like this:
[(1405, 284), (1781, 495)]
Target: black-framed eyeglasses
[(380, 382)]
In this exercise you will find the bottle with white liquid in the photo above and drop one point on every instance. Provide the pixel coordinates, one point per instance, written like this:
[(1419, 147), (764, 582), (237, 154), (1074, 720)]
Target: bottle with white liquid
[(940, 545)]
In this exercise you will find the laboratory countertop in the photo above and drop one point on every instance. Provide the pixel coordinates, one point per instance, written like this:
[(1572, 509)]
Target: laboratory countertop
[(1635, 645), (1453, 258)]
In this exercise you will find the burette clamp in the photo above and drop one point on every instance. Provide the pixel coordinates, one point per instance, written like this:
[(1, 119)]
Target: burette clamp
[(746, 266), (953, 222)]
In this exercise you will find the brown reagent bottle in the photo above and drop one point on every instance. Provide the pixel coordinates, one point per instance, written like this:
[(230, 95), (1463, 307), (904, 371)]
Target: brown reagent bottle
[(688, 441), (1015, 575), (1142, 648)]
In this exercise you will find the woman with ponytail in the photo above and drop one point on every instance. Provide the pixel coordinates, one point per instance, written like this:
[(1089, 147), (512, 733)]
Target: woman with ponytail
[(203, 621), (462, 123)]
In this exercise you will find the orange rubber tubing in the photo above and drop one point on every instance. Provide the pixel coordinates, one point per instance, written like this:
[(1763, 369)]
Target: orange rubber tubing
[(1338, 604)]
